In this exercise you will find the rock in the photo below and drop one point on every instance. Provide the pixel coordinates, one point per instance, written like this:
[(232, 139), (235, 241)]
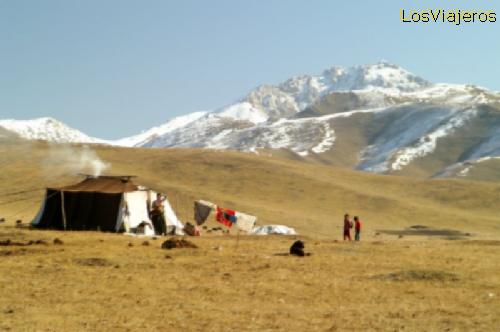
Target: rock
[(145, 243), (130, 244), (57, 241), (177, 243), (418, 227), (31, 242)]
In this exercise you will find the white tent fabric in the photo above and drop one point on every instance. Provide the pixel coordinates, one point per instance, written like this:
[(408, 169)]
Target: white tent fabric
[(207, 203), (245, 222), (274, 229), (135, 211), (170, 216)]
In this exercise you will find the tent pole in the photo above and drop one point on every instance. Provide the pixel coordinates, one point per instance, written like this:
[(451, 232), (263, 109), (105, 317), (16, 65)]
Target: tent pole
[(63, 210)]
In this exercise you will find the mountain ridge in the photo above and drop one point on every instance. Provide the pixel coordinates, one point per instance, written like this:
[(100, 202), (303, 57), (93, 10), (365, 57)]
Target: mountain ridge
[(410, 117)]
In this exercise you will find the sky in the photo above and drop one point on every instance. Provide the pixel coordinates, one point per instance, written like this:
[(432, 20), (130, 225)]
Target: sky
[(113, 68)]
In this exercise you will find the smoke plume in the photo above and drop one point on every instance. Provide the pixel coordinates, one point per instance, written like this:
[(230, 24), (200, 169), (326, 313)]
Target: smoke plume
[(68, 160)]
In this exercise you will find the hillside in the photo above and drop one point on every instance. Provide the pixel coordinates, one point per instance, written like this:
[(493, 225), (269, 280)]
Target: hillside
[(309, 197)]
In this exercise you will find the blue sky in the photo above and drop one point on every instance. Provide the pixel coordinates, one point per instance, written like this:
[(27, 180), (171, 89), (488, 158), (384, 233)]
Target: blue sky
[(112, 68)]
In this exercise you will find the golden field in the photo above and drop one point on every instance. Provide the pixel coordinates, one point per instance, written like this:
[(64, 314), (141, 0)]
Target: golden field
[(392, 280)]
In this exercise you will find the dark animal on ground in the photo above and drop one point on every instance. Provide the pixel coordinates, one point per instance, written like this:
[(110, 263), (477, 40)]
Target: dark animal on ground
[(297, 248)]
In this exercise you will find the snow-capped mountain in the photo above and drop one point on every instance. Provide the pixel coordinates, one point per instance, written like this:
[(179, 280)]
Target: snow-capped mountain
[(303, 114), (378, 118), (267, 106), (146, 136), (269, 102), (47, 129)]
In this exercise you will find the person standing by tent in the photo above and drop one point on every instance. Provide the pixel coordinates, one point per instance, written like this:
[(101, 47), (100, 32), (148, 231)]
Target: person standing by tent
[(158, 215), (347, 228), (357, 228)]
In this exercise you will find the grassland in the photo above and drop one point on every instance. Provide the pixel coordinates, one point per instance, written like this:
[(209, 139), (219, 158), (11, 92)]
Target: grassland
[(392, 280), (98, 282)]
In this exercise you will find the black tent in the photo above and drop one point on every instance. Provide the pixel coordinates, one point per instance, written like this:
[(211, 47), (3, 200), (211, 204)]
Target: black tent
[(93, 204)]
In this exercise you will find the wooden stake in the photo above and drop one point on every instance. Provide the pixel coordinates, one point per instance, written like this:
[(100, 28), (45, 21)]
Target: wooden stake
[(237, 239), (63, 210)]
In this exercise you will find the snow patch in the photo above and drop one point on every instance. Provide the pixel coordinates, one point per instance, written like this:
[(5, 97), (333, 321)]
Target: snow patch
[(244, 111), (164, 129), (427, 143), (327, 142)]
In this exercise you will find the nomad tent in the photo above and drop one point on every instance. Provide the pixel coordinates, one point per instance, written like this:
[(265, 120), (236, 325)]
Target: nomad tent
[(105, 203)]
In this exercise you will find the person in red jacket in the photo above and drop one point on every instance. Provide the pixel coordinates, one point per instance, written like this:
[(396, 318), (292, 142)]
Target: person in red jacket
[(347, 228), (357, 228)]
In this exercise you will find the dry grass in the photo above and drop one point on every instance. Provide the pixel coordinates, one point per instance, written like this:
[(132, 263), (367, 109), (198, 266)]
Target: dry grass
[(97, 281)]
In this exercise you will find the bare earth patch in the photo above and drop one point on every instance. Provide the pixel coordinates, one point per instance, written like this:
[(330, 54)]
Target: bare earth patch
[(93, 261)]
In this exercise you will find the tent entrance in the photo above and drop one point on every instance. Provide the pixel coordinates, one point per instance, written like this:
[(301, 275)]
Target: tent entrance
[(83, 211)]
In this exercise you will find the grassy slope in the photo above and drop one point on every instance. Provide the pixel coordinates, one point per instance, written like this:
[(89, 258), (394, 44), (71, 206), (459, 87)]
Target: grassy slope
[(310, 197), (383, 283)]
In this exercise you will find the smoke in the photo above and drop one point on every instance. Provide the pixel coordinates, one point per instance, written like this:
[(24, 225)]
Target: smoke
[(69, 160)]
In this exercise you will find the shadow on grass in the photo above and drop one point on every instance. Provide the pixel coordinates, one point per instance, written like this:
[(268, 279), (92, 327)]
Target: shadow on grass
[(418, 275), (419, 230)]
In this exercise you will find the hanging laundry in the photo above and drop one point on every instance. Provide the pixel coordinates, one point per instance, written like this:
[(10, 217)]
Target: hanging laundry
[(226, 216), (201, 212), (245, 222)]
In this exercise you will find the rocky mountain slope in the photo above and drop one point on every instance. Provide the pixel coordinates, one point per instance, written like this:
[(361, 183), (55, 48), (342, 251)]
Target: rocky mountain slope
[(377, 118)]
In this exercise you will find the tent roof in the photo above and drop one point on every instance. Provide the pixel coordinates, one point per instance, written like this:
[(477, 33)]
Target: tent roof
[(103, 184)]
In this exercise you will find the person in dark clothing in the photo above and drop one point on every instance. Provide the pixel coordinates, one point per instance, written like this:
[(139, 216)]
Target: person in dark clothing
[(157, 215), (347, 228), (357, 228)]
